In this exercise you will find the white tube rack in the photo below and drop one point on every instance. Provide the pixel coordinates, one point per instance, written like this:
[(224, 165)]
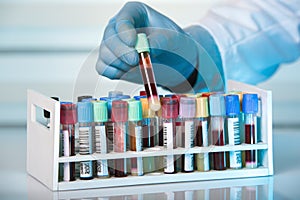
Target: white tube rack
[(43, 149)]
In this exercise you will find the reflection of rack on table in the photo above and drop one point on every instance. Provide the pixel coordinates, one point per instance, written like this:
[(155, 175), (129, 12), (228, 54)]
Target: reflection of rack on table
[(259, 187), (43, 149)]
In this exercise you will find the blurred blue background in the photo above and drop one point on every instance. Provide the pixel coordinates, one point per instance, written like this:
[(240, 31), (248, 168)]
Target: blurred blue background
[(43, 45)]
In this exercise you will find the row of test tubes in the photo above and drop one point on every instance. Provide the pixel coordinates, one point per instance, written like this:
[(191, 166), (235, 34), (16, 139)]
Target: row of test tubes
[(119, 123)]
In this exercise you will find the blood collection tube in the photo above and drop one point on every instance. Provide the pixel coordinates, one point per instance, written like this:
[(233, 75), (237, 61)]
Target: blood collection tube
[(250, 109), (217, 114), (233, 129), (100, 119), (68, 119), (142, 47), (187, 111), (110, 132), (119, 117), (135, 134), (85, 119), (169, 115), (149, 130), (201, 139)]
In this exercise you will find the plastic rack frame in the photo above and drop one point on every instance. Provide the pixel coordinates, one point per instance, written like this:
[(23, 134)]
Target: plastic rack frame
[(43, 149)]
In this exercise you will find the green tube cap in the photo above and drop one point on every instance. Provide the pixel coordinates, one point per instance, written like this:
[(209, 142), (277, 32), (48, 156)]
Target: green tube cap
[(100, 111), (142, 44), (135, 110)]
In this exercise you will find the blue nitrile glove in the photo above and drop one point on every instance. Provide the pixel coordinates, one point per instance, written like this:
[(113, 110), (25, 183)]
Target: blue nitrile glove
[(175, 53)]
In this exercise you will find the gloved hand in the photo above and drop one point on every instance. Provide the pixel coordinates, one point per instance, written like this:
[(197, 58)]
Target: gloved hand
[(174, 52)]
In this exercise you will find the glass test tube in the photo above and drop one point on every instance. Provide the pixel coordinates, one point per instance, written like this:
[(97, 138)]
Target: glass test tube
[(110, 132), (85, 120), (142, 47), (119, 117), (233, 129), (201, 139), (149, 130), (187, 111), (135, 135), (217, 114), (68, 119), (250, 109), (169, 115), (100, 119)]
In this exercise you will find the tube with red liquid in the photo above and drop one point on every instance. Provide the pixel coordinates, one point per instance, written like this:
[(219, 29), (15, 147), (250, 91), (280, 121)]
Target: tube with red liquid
[(142, 47), (68, 119), (201, 138), (135, 130), (119, 117), (169, 115), (217, 113), (250, 109), (187, 112)]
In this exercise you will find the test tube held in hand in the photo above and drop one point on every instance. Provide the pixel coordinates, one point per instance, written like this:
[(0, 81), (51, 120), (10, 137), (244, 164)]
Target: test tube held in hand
[(142, 47), (217, 115), (68, 119), (250, 109), (119, 117)]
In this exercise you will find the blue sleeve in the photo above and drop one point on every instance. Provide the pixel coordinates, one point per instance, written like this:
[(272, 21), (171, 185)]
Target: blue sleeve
[(254, 37)]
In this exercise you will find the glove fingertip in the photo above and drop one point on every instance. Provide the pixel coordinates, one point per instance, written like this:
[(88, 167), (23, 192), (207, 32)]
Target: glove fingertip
[(131, 58)]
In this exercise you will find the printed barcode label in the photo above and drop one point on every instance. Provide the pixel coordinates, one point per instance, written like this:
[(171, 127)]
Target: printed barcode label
[(233, 127), (102, 168), (189, 142), (168, 144), (233, 131), (100, 136), (86, 169), (110, 135), (85, 138)]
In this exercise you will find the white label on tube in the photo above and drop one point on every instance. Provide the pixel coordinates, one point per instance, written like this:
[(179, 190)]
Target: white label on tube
[(86, 169), (189, 142), (101, 147), (139, 160), (85, 140), (205, 144), (233, 126), (138, 137), (204, 133), (66, 153), (168, 143)]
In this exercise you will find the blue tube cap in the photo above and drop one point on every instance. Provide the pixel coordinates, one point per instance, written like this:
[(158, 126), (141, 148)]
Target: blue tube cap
[(232, 104), (85, 112), (250, 103)]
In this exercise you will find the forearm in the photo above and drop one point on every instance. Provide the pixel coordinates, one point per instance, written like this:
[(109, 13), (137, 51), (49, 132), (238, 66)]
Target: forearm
[(255, 37)]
